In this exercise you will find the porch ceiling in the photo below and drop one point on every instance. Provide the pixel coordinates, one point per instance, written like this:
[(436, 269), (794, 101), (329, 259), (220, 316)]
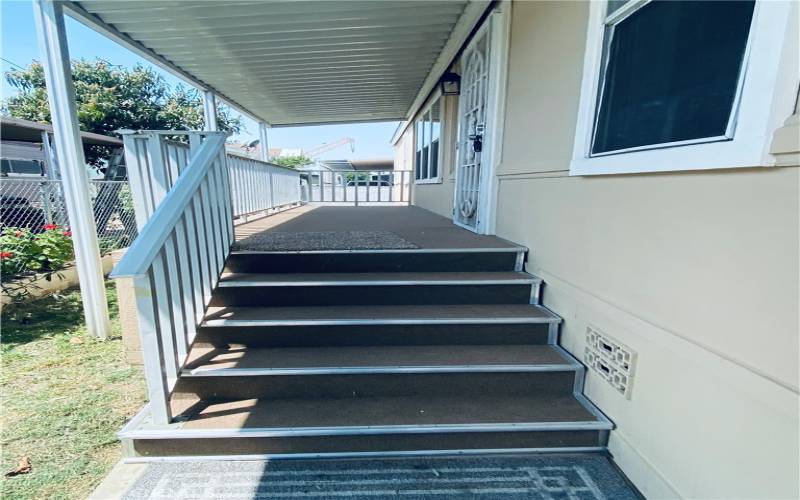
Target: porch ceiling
[(290, 62)]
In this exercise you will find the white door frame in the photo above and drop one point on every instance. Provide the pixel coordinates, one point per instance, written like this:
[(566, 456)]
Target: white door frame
[(499, 22)]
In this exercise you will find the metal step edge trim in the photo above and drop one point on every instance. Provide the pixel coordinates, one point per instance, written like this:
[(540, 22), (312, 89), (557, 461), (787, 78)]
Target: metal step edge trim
[(334, 322), (365, 454), (515, 249), (368, 370), (579, 386), (180, 433), (244, 284)]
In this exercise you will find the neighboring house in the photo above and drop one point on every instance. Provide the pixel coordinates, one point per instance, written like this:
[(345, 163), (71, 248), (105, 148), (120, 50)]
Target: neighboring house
[(640, 158), (25, 147)]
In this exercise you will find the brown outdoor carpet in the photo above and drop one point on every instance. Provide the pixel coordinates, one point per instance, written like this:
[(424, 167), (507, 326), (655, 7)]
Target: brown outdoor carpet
[(323, 240)]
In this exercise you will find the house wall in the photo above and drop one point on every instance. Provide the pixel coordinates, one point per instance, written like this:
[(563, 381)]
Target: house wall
[(436, 197), (695, 271)]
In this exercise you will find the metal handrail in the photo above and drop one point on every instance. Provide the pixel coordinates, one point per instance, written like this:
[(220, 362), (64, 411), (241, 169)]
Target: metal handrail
[(179, 256), (159, 227)]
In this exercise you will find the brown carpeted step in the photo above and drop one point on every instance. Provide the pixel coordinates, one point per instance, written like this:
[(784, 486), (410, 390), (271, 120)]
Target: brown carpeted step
[(210, 361), (378, 325), (383, 314), (375, 425), (310, 289), (422, 260)]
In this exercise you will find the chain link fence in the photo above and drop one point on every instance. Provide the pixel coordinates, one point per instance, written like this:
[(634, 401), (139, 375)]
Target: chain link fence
[(33, 204)]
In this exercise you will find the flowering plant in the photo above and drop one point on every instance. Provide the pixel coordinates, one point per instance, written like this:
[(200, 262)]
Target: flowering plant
[(23, 251)]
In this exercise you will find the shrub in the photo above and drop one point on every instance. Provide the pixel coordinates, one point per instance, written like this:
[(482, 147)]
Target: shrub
[(23, 251)]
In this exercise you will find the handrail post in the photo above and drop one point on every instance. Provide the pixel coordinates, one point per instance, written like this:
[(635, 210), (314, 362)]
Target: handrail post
[(263, 142), (69, 147), (210, 111)]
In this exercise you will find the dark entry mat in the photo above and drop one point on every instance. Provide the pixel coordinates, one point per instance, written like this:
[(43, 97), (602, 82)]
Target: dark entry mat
[(539, 477), (324, 240)]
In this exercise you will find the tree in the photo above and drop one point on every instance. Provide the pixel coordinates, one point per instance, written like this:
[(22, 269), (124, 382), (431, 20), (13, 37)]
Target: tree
[(296, 161), (110, 98)]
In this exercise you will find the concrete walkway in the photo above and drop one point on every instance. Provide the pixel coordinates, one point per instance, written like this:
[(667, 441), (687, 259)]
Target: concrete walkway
[(544, 477)]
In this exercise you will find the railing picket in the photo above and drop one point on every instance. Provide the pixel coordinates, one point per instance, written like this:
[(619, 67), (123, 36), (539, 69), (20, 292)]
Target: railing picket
[(201, 240), (208, 226), (135, 163), (186, 270), (216, 221), (227, 198), (157, 387), (164, 319), (178, 320), (158, 170)]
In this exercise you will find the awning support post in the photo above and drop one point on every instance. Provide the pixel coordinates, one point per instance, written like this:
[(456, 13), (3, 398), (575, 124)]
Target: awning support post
[(263, 142), (52, 37), (210, 111)]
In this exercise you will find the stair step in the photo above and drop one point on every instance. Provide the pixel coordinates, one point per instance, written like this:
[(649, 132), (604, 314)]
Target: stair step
[(378, 325), (242, 361), (506, 258), (375, 279), (375, 425), (383, 314), (399, 288)]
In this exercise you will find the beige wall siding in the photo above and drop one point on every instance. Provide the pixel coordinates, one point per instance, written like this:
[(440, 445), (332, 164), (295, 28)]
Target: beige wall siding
[(437, 197), (696, 271)]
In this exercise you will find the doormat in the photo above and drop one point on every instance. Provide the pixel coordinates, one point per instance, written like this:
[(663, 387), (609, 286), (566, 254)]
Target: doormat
[(530, 477), (324, 240)]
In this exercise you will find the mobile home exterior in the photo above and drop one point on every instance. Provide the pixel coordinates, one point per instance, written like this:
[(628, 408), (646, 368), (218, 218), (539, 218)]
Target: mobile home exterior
[(619, 182), (684, 254)]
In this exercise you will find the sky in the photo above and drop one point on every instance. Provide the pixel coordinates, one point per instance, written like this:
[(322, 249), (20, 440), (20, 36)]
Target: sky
[(18, 46)]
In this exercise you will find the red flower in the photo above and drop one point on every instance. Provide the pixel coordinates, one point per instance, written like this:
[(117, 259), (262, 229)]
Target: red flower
[(17, 233), (49, 227), (68, 234), (6, 255)]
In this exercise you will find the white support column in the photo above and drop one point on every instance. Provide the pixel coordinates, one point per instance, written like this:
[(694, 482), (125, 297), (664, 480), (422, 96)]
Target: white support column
[(69, 148), (210, 111), (263, 142)]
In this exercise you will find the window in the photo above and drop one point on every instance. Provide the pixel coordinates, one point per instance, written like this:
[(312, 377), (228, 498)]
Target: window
[(428, 131), (677, 85), (671, 73)]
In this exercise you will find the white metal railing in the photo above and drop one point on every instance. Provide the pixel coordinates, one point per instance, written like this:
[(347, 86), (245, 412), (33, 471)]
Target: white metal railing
[(384, 187), (177, 259), (257, 186), (154, 162)]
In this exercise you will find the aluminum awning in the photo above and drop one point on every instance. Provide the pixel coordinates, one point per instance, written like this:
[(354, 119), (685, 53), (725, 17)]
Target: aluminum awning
[(296, 62)]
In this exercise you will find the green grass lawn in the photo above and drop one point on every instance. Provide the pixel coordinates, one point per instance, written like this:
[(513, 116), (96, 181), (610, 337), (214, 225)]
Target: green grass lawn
[(64, 395)]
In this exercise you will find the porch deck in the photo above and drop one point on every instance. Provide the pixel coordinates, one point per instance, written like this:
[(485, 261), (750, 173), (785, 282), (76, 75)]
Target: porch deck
[(425, 230)]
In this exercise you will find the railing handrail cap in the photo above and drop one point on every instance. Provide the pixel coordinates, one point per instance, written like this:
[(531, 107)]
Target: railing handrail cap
[(126, 131)]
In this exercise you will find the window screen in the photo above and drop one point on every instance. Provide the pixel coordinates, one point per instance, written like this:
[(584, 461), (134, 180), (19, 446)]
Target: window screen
[(672, 72)]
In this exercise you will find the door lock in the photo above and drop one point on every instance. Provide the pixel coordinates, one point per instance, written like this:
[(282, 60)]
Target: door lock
[(477, 139)]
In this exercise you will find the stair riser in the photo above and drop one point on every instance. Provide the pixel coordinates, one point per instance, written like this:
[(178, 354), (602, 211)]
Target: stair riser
[(380, 443), (217, 388), (371, 295), (372, 262), (366, 335)]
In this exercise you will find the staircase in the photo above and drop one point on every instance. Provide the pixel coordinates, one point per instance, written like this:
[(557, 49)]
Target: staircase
[(374, 352)]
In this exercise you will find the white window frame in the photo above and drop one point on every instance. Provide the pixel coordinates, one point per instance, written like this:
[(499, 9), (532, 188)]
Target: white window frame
[(439, 156), (753, 116)]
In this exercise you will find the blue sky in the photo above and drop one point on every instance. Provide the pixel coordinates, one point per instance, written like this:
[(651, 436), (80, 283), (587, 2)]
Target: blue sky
[(20, 47)]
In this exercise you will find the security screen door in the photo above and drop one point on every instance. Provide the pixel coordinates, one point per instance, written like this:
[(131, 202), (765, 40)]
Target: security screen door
[(473, 140)]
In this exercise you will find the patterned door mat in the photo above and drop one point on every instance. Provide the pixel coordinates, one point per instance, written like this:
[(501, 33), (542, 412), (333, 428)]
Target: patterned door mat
[(537, 477), (324, 240)]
